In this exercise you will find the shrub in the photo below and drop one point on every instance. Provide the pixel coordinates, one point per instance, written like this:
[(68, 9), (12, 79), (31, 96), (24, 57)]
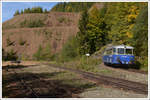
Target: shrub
[(141, 63), (32, 23), (43, 53), (23, 23), (22, 42), (9, 42), (10, 55), (88, 64), (37, 55), (63, 20), (3, 54), (69, 50), (36, 23), (48, 33)]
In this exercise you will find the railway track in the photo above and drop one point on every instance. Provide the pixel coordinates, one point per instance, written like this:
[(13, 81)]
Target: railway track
[(29, 88), (109, 81), (32, 92), (24, 85)]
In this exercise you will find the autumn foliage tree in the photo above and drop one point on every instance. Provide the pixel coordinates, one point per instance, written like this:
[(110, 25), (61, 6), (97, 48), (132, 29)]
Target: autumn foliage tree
[(92, 35), (72, 6), (116, 23)]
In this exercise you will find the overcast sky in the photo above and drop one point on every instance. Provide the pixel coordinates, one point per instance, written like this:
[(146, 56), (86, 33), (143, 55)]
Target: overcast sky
[(9, 8)]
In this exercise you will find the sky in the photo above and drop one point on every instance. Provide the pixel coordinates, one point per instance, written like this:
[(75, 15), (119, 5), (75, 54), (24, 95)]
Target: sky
[(9, 8)]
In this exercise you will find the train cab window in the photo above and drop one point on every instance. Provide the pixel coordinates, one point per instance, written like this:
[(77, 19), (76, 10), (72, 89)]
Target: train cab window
[(114, 51), (128, 51), (121, 50)]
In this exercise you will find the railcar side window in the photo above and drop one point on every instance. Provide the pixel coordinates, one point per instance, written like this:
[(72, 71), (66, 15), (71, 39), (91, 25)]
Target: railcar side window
[(110, 51), (120, 50), (128, 51)]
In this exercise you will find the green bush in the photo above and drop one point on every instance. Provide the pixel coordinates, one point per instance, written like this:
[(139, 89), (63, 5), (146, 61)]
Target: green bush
[(48, 33), (88, 64), (22, 42), (43, 53), (63, 20), (69, 50), (9, 56), (9, 42), (32, 23), (142, 63)]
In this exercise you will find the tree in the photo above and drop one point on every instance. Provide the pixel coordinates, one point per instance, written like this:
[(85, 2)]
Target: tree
[(72, 6), (121, 20), (45, 11), (140, 33), (82, 38), (22, 12), (93, 32), (17, 13)]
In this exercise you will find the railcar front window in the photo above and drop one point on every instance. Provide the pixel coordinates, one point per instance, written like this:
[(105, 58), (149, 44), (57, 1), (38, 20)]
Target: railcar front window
[(128, 51), (120, 51), (114, 50)]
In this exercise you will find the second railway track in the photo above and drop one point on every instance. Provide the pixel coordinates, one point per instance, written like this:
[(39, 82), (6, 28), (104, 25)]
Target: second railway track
[(110, 81)]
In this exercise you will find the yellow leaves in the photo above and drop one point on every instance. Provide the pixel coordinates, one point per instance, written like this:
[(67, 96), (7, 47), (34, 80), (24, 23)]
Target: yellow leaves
[(133, 12), (129, 34), (68, 8), (130, 18), (131, 26), (133, 9)]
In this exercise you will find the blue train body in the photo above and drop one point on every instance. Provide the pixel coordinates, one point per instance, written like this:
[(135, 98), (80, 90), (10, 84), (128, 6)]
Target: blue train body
[(117, 55)]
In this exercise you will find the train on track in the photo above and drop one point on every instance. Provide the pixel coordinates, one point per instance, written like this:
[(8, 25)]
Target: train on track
[(119, 55)]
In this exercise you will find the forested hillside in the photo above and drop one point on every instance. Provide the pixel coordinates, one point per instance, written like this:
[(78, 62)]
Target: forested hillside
[(72, 6), (116, 23)]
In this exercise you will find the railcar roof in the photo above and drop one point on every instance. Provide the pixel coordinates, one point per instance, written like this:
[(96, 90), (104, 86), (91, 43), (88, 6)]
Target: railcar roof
[(120, 46)]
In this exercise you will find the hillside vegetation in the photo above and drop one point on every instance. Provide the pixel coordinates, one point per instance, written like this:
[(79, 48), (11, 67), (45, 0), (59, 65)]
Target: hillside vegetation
[(88, 31), (72, 6), (25, 35)]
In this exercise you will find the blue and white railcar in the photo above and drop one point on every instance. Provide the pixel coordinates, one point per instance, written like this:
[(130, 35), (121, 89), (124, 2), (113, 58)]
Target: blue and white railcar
[(120, 54)]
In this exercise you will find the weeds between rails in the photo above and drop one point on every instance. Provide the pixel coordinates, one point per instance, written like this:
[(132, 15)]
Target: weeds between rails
[(110, 81)]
